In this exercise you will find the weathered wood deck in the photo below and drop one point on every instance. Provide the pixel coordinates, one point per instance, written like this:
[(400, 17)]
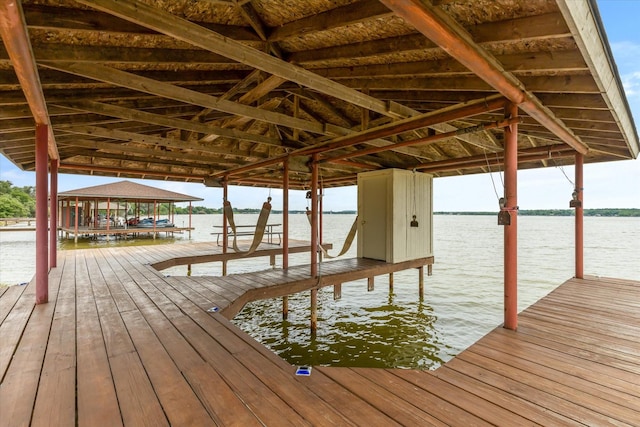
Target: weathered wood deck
[(119, 343)]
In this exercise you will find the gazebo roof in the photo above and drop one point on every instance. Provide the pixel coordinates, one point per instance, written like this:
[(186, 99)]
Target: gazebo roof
[(126, 190), (201, 90)]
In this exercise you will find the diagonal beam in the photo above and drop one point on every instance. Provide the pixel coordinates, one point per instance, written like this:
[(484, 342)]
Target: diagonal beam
[(182, 29), (13, 30), (448, 34), (389, 129), (155, 141), (160, 120), (167, 90)]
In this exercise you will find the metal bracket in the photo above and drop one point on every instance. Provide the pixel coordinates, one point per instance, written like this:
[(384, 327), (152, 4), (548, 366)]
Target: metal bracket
[(504, 218)]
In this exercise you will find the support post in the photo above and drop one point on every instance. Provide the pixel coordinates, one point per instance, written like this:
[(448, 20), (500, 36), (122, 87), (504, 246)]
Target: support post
[(53, 215), (579, 216), (108, 218), (421, 282), (337, 291), (314, 311), (314, 216), (225, 236), (75, 223), (390, 283), (190, 213), (42, 272), (285, 230), (511, 229), (370, 283), (285, 214), (320, 220), (188, 269)]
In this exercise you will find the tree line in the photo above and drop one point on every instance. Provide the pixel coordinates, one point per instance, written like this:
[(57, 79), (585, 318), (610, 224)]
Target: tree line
[(17, 202)]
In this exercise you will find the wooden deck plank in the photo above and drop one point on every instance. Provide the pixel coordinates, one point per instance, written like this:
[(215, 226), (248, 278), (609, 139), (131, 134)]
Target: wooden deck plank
[(601, 341), (222, 401), (26, 347), (498, 392), (178, 400), (470, 403), (576, 366), (56, 398), (575, 348), (138, 401), (9, 297), (381, 398), (12, 327), (438, 406), (96, 401), (147, 353), (558, 394)]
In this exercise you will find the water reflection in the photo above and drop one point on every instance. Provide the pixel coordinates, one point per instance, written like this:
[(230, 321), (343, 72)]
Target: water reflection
[(358, 332)]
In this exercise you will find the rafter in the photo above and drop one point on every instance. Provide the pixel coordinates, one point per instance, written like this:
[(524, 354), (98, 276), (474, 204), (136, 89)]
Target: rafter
[(166, 90), (14, 34), (448, 34), (157, 119), (182, 29)]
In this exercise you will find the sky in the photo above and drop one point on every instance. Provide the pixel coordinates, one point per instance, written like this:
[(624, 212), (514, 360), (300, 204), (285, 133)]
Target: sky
[(607, 185)]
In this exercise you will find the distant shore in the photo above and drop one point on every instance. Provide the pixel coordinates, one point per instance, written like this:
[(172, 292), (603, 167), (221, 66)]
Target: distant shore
[(608, 212)]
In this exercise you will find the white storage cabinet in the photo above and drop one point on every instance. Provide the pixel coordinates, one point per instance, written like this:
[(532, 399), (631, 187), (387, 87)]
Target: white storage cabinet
[(387, 201)]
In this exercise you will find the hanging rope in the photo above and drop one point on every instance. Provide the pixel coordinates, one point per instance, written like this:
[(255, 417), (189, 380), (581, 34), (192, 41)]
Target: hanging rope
[(347, 243), (495, 190), (260, 226)]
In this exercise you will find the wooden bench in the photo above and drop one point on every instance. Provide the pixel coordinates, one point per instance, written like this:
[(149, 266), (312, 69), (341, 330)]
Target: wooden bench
[(250, 230)]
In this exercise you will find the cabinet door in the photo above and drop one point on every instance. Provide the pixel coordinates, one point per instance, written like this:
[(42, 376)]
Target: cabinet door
[(373, 218)]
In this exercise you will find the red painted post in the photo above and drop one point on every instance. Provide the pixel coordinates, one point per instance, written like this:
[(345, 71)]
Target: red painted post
[(190, 213), (579, 216), (75, 227), (285, 230), (314, 216), (225, 237), (42, 263), (53, 220), (285, 214), (511, 230)]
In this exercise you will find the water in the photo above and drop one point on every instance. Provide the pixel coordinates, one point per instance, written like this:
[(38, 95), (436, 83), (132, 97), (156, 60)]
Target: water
[(462, 302)]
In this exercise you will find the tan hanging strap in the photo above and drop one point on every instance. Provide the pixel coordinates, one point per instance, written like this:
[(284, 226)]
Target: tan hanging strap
[(260, 226), (347, 243)]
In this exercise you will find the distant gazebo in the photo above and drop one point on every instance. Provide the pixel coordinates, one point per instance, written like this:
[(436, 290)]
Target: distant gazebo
[(120, 209)]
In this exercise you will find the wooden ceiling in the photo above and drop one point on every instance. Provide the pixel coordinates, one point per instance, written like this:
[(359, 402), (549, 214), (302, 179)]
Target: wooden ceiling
[(200, 90)]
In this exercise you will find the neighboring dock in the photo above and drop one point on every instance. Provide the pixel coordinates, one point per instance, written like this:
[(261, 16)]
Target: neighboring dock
[(120, 343)]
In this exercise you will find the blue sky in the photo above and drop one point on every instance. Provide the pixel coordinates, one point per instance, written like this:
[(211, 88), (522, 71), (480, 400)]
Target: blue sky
[(615, 184)]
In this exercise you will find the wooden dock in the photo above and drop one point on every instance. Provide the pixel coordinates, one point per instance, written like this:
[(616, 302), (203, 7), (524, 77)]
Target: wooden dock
[(120, 344)]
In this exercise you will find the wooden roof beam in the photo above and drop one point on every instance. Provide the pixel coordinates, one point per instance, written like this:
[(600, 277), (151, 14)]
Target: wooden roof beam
[(350, 14), (13, 30), (448, 34), (182, 29), (161, 120), (584, 19)]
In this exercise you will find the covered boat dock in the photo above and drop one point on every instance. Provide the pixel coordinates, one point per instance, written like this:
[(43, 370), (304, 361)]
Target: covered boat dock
[(304, 95), (115, 210)]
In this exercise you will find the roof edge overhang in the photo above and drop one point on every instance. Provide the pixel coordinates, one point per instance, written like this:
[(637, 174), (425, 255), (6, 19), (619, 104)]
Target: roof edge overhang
[(583, 19)]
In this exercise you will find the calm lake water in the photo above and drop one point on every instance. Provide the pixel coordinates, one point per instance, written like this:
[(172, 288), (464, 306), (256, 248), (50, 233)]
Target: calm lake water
[(462, 302)]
